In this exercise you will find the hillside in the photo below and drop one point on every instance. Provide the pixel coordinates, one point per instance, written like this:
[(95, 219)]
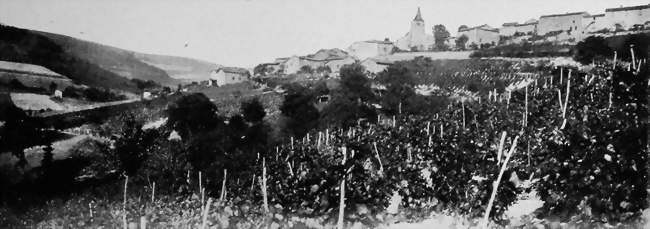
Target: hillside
[(180, 68), (25, 46), (119, 61)]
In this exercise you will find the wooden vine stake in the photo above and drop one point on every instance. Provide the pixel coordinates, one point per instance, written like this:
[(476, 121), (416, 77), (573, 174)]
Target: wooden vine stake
[(381, 166), (633, 60), (614, 65), (463, 108), (339, 225), (223, 186), (263, 186), (495, 186), (500, 152), (526, 111), (153, 192), (206, 211), (124, 221)]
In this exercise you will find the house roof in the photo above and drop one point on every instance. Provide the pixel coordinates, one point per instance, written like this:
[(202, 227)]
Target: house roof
[(418, 16), (327, 55), (234, 70), (565, 14), (481, 27), (595, 15), (379, 42), (509, 24), (526, 24), (6, 66), (641, 7)]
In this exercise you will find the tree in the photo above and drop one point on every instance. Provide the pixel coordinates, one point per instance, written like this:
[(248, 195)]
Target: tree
[(192, 114), (355, 84), (462, 27), (19, 130), (261, 69), (440, 35), (461, 42), (592, 48), (323, 69), (298, 110), (399, 83), (351, 101), (253, 111), (306, 69), (131, 148)]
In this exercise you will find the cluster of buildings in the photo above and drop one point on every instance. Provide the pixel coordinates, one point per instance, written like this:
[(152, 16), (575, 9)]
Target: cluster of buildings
[(567, 27)]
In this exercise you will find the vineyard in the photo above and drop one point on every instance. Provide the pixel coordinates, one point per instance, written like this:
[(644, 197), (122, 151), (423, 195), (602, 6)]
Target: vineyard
[(575, 137)]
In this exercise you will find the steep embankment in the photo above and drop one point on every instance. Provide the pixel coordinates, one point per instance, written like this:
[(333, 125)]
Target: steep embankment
[(119, 61), (26, 46)]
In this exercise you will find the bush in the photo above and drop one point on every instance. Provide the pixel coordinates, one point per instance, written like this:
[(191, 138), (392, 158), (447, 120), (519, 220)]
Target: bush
[(592, 48)]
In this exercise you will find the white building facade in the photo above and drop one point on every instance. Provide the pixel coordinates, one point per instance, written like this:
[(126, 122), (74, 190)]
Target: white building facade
[(416, 38)]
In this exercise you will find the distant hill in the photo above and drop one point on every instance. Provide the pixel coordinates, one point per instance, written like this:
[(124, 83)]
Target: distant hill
[(118, 61), (26, 46), (180, 68)]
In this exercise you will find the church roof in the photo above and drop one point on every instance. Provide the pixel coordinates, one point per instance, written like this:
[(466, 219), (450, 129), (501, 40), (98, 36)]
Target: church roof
[(418, 17)]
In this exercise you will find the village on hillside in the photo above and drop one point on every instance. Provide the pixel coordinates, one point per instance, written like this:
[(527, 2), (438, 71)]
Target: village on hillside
[(541, 123)]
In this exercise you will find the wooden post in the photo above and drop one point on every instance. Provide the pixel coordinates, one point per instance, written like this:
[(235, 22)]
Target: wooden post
[(614, 65), (633, 60), (526, 109), (206, 211), (381, 166), (463, 107), (143, 222), (495, 186), (263, 186), (126, 223), (561, 75), (566, 100), (201, 189), (342, 194), (153, 192), (223, 186), (500, 152)]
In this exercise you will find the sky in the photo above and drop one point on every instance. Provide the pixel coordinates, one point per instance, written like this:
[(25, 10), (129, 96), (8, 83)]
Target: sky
[(248, 32)]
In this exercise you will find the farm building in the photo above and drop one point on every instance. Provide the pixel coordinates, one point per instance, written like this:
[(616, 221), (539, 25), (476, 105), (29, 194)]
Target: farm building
[(594, 23), (372, 48), (512, 28), (332, 58), (627, 17), (228, 75), (478, 35), (571, 23), (31, 75)]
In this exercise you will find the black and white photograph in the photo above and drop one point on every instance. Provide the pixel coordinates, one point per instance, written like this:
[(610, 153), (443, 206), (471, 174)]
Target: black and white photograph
[(324, 114)]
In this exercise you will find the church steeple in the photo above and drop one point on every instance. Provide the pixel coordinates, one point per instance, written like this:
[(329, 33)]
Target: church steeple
[(418, 17)]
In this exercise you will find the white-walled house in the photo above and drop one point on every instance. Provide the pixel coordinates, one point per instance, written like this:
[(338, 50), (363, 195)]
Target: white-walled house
[(372, 48), (478, 35), (627, 17), (570, 23), (228, 75)]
